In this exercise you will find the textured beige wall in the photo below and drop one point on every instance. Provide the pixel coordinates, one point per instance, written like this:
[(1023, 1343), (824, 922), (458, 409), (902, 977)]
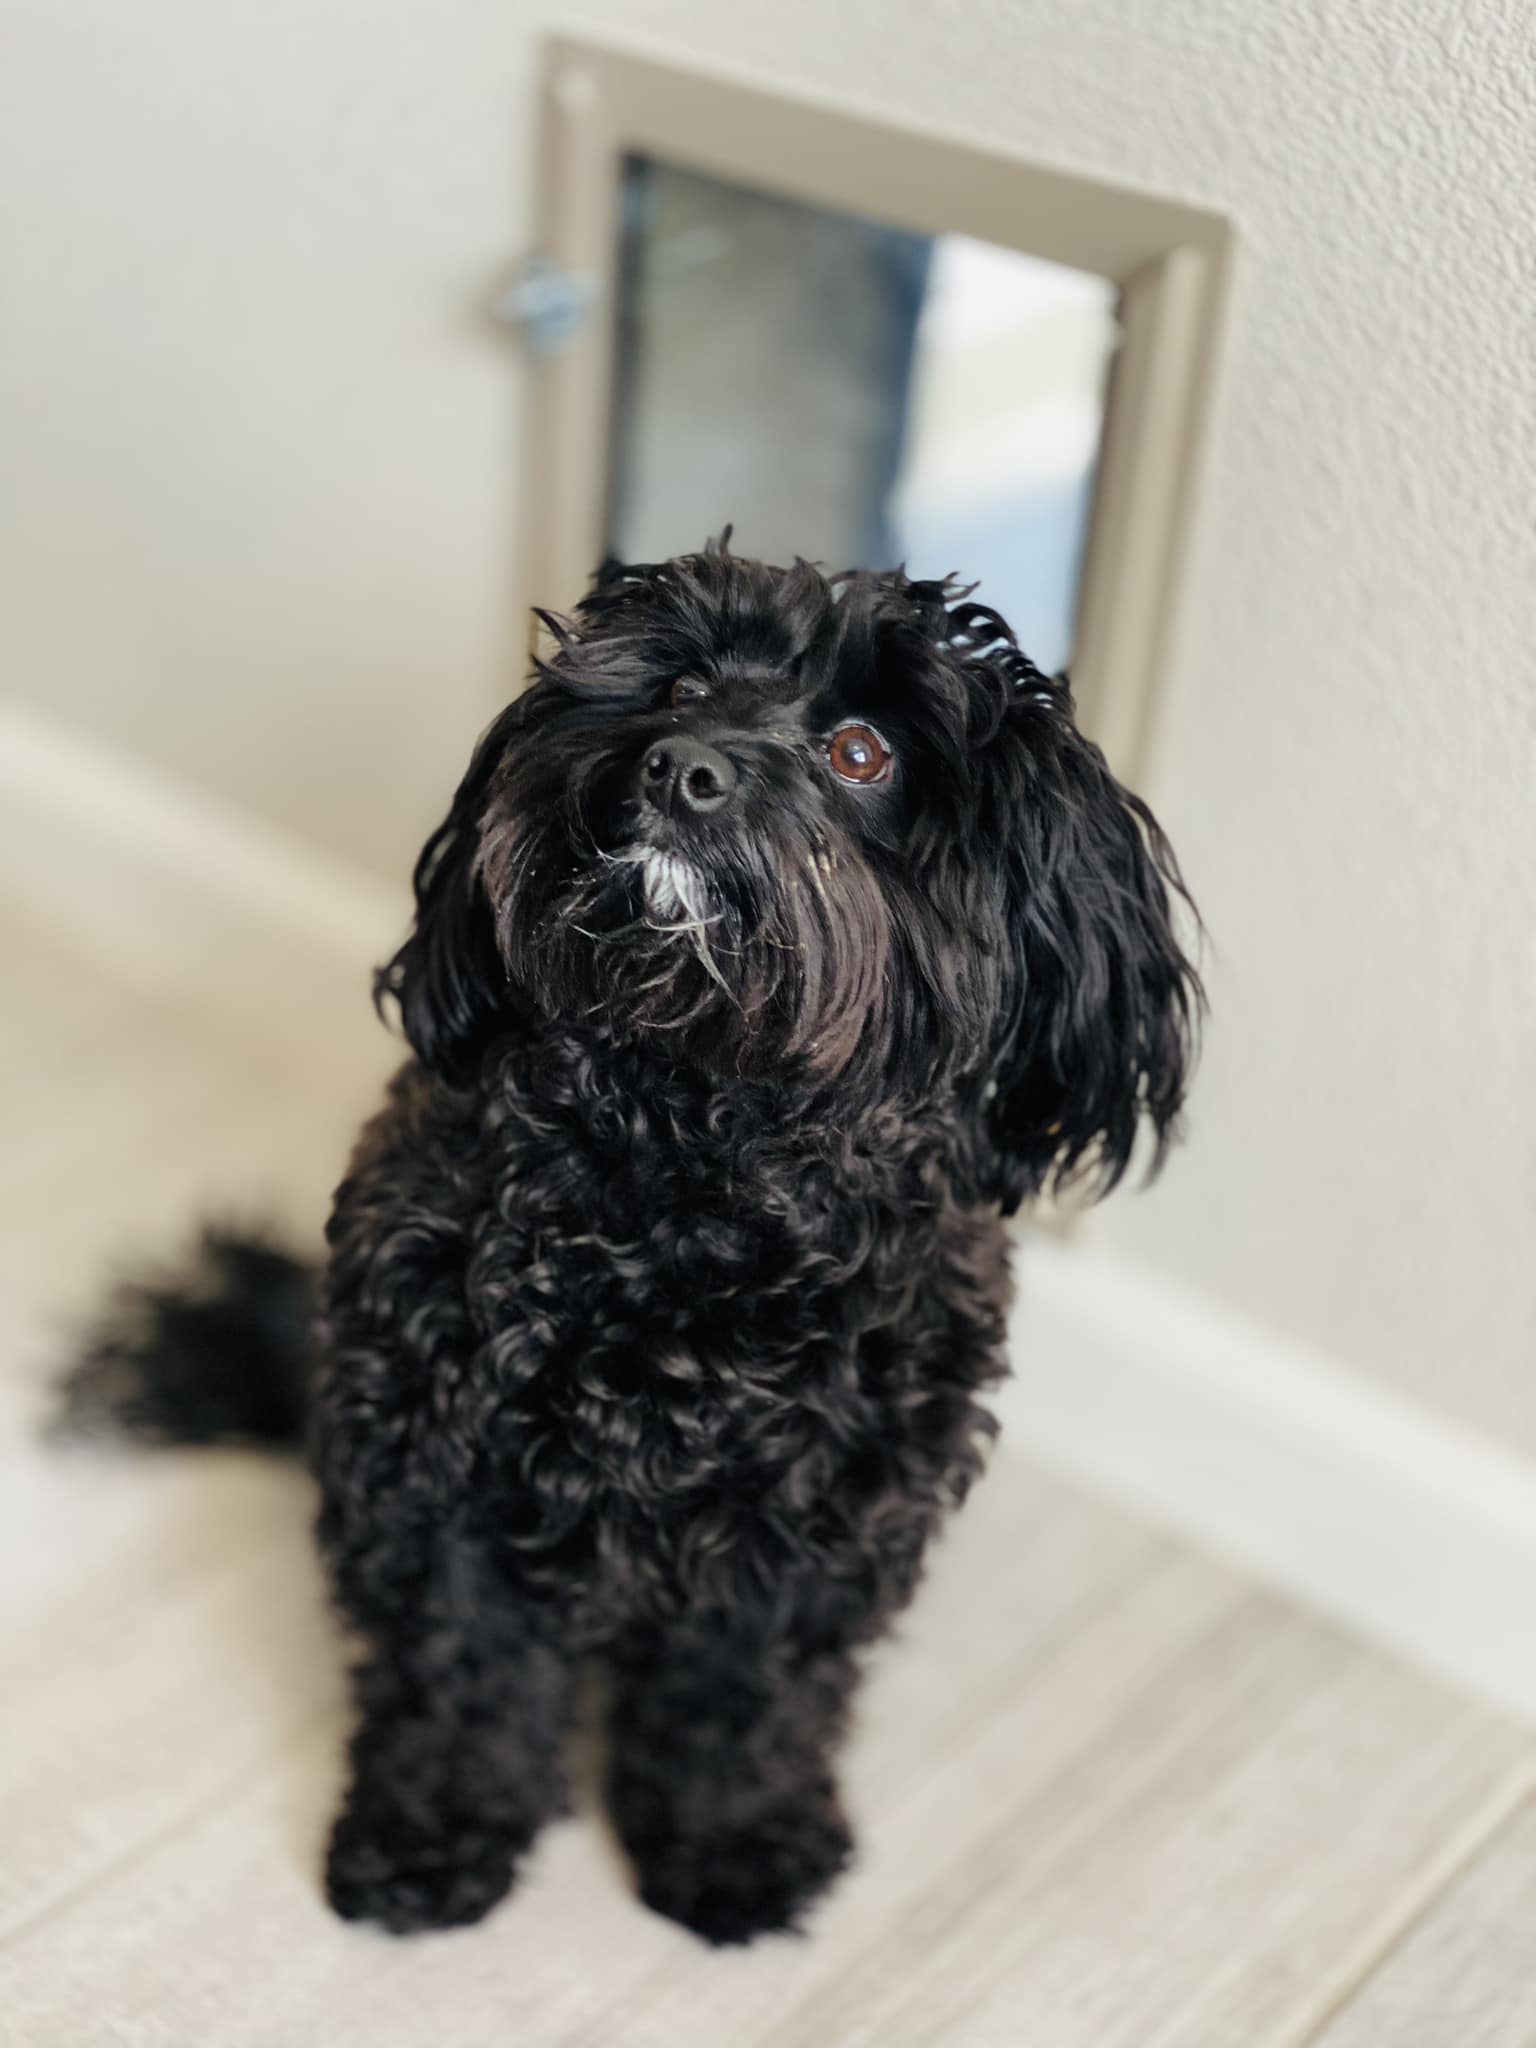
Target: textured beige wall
[(258, 461)]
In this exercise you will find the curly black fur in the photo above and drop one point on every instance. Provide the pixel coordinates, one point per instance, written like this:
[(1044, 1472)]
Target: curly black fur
[(662, 1291)]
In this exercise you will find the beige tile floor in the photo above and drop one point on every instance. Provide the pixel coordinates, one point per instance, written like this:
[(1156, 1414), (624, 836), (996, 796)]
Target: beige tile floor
[(1112, 1794)]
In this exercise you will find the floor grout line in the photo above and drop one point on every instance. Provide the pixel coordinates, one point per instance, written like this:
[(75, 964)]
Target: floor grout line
[(1083, 1826), (1407, 1912)]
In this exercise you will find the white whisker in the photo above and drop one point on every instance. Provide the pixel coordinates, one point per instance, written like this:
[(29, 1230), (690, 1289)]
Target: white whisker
[(676, 900)]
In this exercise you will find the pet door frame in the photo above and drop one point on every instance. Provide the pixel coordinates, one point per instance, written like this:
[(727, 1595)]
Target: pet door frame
[(599, 104)]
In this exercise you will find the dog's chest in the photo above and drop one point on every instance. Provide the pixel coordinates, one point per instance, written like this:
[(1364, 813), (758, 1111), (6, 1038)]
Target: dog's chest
[(679, 1292), (629, 1234)]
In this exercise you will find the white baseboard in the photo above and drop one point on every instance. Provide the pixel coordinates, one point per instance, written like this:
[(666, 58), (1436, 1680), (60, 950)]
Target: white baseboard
[(1355, 1500), (169, 883)]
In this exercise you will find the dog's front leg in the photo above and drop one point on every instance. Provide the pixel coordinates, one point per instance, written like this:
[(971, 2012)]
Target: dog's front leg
[(463, 1683), (721, 1773), (462, 1697)]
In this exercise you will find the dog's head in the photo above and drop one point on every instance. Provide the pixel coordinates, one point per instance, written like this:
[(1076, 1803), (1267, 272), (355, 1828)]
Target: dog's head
[(835, 830)]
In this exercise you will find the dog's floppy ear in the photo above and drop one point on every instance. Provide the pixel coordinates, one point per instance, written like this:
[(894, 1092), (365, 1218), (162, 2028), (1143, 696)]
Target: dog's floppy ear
[(448, 979), (1102, 1004)]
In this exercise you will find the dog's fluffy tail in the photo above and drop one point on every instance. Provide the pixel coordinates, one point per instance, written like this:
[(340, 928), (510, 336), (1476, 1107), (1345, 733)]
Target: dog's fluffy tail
[(218, 1355)]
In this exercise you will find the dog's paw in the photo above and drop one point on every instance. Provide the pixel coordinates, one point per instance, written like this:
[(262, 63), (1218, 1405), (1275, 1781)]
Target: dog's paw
[(409, 1882), (732, 1886)]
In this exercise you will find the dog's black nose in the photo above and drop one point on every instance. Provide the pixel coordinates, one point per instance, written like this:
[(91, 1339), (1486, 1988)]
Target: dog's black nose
[(682, 775)]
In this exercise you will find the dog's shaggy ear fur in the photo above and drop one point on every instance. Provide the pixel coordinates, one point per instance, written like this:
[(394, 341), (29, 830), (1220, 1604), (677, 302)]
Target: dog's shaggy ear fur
[(1100, 1029), (448, 979)]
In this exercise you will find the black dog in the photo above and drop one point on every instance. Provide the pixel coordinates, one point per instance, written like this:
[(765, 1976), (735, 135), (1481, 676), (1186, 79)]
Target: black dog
[(781, 939)]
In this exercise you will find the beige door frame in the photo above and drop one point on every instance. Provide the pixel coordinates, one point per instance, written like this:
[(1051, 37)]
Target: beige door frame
[(1170, 261)]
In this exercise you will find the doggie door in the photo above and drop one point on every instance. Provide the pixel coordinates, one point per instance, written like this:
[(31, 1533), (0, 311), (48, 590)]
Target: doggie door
[(865, 347)]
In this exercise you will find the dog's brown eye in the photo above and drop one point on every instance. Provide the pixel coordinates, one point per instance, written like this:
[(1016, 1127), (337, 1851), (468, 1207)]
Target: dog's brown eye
[(859, 754), (687, 690)]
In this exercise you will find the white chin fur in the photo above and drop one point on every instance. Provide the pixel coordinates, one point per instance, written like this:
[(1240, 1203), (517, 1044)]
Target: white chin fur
[(673, 889)]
